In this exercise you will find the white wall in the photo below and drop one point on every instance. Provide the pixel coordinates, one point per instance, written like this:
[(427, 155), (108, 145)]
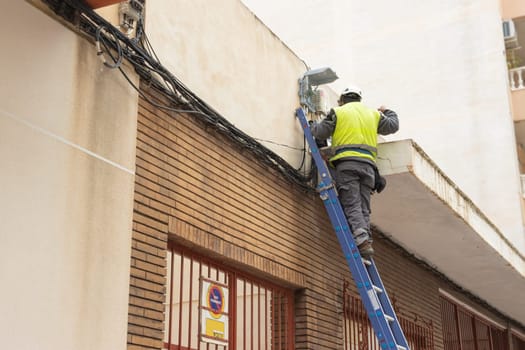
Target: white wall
[(67, 153), (440, 64)]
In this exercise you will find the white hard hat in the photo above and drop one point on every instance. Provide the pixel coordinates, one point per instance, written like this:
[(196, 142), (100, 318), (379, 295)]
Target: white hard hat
[(352, 90)]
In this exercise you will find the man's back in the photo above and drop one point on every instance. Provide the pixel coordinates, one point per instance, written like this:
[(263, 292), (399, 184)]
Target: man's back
[(354, 128)]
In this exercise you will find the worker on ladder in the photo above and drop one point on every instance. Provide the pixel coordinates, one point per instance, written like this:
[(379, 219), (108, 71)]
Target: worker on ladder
[(353, 128)]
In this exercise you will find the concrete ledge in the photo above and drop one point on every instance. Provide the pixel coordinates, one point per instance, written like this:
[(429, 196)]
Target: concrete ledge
[(427, 214)]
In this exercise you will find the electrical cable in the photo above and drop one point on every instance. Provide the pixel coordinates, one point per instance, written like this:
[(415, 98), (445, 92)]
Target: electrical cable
[(100, 38), (145, 97), (141, 55), (279, 144), (303, 158), (149, 46)]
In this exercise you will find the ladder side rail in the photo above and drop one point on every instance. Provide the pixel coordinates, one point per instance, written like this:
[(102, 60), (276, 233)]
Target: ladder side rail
[(316, 155), (331, 202), (353, 257), (343, 233), (387, 307), (361, 277)]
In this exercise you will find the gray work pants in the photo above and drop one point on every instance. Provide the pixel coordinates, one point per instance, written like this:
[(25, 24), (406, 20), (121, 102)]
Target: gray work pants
[(355, 181)]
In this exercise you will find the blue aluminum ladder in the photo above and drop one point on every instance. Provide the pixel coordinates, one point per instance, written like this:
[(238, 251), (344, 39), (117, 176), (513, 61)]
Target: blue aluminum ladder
[(371, 289)]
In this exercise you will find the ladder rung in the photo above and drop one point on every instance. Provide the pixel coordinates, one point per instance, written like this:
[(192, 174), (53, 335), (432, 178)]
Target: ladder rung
[(377, 289), (366, 262), (389, 318)]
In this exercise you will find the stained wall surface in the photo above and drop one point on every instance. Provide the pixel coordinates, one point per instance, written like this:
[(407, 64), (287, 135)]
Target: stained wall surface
[(224, 54)]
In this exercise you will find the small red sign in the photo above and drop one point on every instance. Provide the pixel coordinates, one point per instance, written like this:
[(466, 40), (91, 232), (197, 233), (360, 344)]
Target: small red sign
[(215, 300)]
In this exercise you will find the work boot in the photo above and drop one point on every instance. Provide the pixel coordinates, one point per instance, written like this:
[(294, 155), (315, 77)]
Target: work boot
[(366, 249)]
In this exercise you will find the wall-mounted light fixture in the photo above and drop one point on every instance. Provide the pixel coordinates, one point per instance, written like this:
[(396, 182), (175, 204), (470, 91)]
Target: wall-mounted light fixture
[(314, 78)]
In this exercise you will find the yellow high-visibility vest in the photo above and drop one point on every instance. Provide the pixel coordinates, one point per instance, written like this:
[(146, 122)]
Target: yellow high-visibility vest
[(355, 133)]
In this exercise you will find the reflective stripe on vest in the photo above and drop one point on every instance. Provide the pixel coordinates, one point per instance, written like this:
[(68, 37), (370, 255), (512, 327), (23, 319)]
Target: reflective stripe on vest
[(354, 149), (355, 133), (364, 147)]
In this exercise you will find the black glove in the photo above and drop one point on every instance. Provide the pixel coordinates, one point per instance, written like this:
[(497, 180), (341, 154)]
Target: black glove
[(331, 115), (380, 181)]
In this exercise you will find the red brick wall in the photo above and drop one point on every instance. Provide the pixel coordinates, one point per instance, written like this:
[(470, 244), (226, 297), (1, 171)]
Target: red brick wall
[(198, 188)]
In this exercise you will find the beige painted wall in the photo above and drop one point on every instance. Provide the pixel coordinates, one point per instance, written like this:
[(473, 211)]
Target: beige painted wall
[(223, 53), (440, 65), (67, 149), (512, 8), (518, 105)]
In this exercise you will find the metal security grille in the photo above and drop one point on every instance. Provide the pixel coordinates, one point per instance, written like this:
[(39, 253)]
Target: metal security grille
[(464, 331), (518, 343), (359, 334), (260, 313)]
